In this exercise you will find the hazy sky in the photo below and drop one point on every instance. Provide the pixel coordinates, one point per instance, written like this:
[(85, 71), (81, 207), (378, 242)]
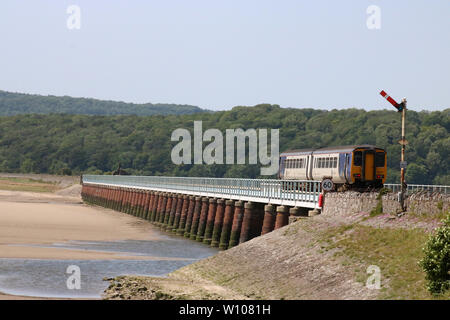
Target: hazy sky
[(219, 54)]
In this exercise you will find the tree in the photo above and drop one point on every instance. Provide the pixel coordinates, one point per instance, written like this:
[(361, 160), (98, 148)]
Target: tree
[(27, 166), (416, 173), (436, 262)]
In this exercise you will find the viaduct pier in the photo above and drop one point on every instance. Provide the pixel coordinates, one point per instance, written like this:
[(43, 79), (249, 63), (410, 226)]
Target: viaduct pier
[(219, 212)]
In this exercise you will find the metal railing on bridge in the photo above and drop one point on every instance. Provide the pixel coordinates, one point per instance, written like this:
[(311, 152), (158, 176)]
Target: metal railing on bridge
[(414, 188), (287, 192), (300, 193)]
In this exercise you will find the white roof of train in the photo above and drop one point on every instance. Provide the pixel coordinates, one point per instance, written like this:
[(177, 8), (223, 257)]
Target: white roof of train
[(338, 149)]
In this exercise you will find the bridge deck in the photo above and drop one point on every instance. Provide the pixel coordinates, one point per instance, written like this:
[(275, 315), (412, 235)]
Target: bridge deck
[(280, 192)]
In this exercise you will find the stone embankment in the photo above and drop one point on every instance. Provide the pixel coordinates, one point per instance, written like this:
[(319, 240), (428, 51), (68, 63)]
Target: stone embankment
[(421, 203)]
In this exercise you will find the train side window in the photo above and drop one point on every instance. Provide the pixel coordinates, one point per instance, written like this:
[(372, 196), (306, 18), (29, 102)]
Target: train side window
[(358, 158), (379, 159)]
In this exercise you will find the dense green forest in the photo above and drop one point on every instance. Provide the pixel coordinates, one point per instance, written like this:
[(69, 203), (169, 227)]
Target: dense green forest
[(18, 103), (96, 144)]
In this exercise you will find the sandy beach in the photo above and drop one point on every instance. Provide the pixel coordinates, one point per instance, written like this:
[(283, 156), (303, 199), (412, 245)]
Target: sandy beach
[(31, 220), (28, 219)]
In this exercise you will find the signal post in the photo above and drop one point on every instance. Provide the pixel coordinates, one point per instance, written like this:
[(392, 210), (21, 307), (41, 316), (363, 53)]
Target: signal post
[(401, 107)]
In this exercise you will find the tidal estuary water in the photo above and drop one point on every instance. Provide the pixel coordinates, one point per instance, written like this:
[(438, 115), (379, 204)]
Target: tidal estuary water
[(48, 278)]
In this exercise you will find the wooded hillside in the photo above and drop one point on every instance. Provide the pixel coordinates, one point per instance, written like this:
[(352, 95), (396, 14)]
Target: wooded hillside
[(18, 103), (81, 143)]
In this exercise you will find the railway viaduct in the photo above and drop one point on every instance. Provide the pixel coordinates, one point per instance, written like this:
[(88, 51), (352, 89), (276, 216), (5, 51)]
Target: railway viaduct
[(220, 212)]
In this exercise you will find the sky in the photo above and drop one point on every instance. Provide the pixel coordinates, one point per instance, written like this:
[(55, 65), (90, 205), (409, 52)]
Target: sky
[(218, 54)]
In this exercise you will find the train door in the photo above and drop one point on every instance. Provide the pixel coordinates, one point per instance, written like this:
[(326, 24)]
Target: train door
[(369, 162), (341, 166), (281, 167), (310, 167)]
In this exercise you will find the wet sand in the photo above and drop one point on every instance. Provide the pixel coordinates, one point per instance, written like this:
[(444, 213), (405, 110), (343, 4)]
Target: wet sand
[(28, 219), (22, 224)]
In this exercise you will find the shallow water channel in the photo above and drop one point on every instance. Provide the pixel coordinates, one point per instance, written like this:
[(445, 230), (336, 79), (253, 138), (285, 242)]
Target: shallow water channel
[(48, 278)]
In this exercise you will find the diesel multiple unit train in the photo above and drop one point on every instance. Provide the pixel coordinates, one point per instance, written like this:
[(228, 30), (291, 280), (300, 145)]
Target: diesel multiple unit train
[(356, 165)]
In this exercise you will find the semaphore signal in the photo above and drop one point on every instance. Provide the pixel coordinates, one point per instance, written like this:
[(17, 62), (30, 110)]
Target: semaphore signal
[(401, 107)]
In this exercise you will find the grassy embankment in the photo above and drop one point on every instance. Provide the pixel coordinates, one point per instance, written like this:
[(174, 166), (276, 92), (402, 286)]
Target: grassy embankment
[(396, 251), (27, 184)]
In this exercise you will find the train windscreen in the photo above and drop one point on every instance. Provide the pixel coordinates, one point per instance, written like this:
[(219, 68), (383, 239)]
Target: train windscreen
[(379, 159), (357, 161)]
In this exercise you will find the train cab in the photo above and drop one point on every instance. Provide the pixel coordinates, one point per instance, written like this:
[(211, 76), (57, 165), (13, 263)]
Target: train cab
[(368, 166)]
